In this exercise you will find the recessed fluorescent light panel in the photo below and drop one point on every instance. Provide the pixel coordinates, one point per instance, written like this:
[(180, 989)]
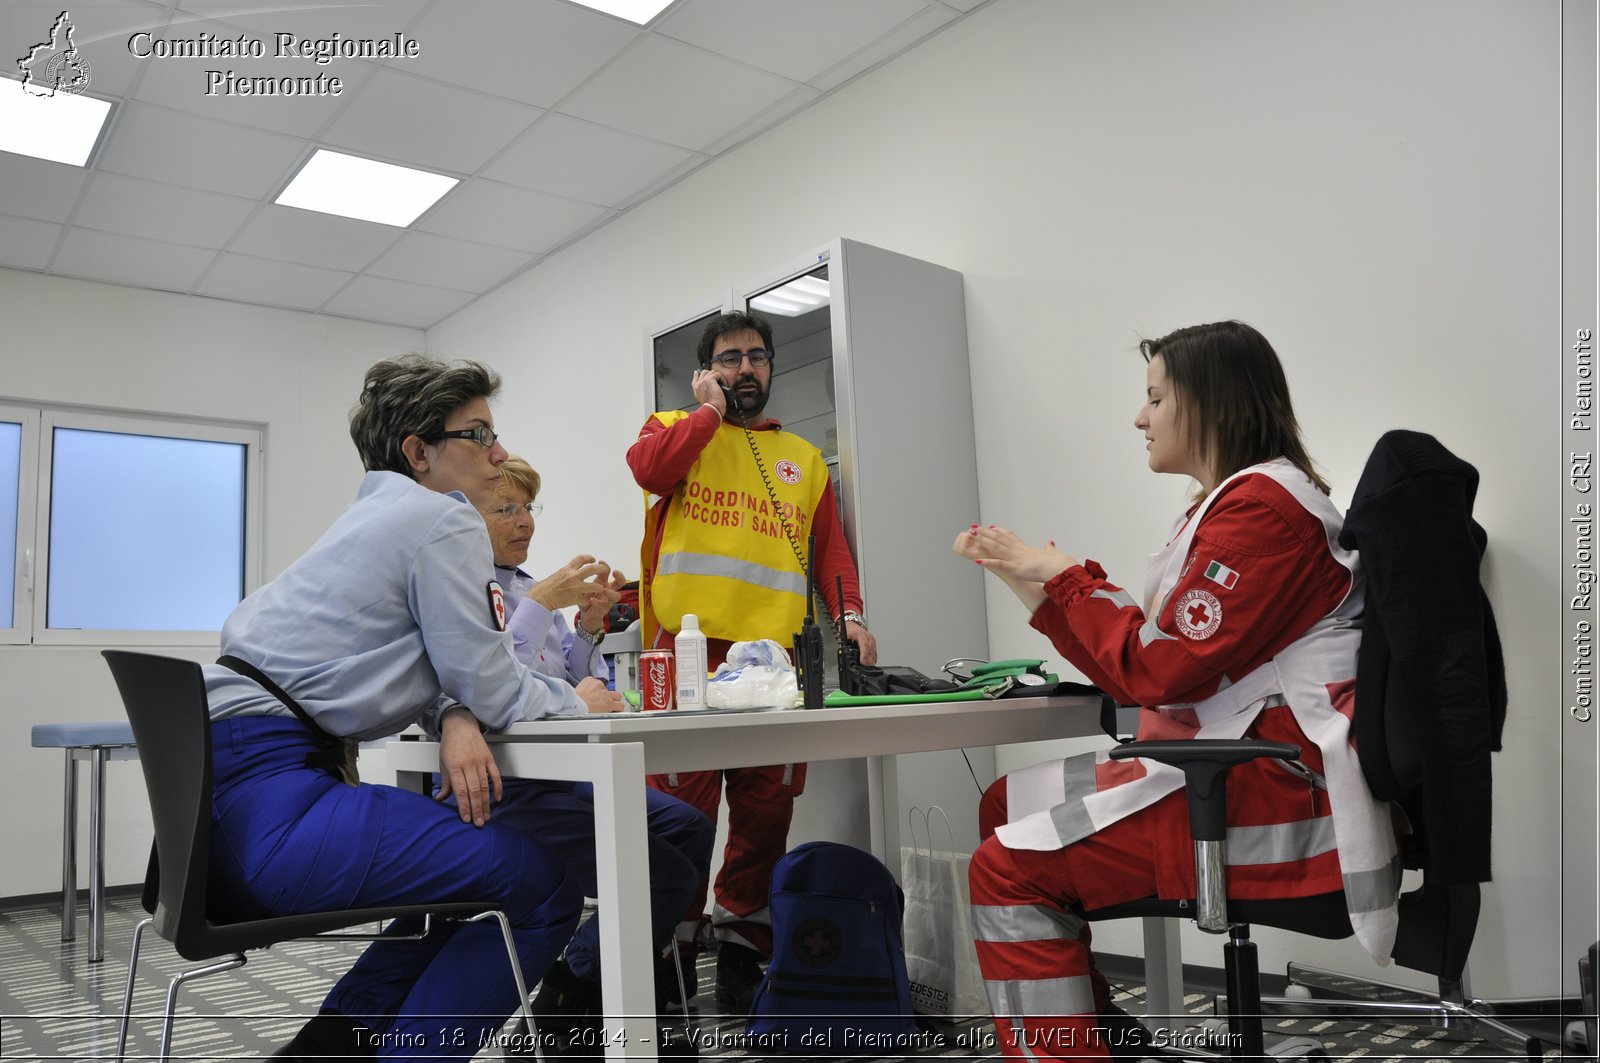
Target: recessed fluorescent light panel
[(640, 11), (62, 127), (361, 188), (800, 296)]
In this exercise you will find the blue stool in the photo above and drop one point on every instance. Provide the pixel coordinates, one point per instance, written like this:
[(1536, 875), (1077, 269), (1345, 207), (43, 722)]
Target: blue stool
[(97, 742)]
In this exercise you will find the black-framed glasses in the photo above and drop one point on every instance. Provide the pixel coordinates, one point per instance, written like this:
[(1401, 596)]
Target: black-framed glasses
[(482, 435), (759, 359), (510, 509)]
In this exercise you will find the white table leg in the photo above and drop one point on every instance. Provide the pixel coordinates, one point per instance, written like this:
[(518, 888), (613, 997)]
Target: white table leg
[(1163, 968), (627, 968)]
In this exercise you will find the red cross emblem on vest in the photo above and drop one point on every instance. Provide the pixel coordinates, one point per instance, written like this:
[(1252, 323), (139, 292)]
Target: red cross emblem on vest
[(1197, 615)]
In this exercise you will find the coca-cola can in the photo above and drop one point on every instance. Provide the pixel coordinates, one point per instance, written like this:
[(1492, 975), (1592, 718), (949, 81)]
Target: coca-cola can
[(658, 681)]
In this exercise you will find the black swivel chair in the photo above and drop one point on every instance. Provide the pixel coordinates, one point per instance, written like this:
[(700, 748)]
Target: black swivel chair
[(166, 703), (1430, 701)]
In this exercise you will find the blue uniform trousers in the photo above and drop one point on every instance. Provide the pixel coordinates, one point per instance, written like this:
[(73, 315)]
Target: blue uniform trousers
[(287, 839), (561, 816)]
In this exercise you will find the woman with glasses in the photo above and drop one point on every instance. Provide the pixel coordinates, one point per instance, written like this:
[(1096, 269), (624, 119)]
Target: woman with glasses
[(544, 639), (1248, 625)]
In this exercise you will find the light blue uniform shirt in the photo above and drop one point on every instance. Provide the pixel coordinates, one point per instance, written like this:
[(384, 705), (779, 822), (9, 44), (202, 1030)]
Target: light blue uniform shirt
[(543, 639), (383, 623)]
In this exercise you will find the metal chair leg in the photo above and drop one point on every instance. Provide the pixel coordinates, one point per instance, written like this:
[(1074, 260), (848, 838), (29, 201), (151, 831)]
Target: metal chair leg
[(232, 963), (97, 856), (69, 851), (127, 993)]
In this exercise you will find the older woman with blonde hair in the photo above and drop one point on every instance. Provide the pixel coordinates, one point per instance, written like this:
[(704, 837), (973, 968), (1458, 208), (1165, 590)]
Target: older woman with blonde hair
[(561, 815)]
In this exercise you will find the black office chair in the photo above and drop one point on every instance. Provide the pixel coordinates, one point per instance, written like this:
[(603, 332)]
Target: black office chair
[(1430, 702), (166, 703)]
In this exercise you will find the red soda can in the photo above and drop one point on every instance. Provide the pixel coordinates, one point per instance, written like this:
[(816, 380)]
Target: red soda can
[(658, 681)]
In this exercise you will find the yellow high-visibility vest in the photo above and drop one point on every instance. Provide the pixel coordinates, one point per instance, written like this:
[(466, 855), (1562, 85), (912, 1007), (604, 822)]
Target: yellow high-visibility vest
[(724, 554)]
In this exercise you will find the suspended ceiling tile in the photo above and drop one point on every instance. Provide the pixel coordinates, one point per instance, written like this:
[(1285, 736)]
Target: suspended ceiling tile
[(412, 120), (581, 160), (535, 51), (26, 243), (893, 43), (488, 212), (423, 258), (136, 207), (100, 32), (798, 41), (260, 280), (34, 188), (396, 302), (128, 260), (668, 91), (183, 149), (312, 238)]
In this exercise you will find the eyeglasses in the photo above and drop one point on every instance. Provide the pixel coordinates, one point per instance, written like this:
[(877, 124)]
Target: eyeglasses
[(482, 435), (510, 509), (759, 359)]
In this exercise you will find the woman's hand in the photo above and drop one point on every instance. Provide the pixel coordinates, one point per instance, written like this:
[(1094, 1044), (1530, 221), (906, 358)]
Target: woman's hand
[(597, 697), (578, 582), (593, 614), (1000, 551), (466, 767)]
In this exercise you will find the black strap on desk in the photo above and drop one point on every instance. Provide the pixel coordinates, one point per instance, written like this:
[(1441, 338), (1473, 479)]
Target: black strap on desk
[(334, 756)]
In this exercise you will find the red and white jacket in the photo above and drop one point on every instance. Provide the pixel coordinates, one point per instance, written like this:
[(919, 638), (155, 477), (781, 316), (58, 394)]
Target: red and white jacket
[(1249, 626)]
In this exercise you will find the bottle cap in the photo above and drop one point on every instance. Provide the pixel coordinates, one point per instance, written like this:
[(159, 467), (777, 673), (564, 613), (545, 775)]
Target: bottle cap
[(691, 622)]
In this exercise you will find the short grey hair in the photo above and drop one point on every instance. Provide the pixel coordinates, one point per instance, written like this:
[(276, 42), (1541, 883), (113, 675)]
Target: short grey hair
[(411, 396)]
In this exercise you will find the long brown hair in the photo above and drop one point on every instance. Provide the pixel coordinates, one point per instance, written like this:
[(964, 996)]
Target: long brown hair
[(1233, 400)]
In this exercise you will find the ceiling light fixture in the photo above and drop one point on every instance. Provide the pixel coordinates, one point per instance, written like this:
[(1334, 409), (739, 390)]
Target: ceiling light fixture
[(640, 11), (334, 183), (800, 296), (62, 127)]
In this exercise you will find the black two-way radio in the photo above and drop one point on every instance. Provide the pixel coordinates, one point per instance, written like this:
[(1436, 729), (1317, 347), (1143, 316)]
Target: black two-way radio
[(808, 642)]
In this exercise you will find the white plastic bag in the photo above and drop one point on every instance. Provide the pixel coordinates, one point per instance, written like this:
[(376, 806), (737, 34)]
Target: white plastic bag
[(754, 675), (941, 960)]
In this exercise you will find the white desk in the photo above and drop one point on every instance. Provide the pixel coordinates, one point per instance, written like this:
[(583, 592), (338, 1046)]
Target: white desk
[(616, 751)]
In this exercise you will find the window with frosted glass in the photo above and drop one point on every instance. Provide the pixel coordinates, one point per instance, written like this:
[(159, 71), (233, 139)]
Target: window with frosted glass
[(10, 477), (147, 533)]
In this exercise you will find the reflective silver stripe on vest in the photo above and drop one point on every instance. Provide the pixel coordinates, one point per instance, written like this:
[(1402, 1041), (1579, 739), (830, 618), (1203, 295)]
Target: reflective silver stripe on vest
[(1123, 599), (1023, 922), (1375, 890), (686, 563), (1042, 996), (1151, 633), (1279, 843), (1070, 818)]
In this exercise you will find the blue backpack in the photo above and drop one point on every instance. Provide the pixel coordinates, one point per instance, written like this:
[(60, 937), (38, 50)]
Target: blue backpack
[(837, 981)]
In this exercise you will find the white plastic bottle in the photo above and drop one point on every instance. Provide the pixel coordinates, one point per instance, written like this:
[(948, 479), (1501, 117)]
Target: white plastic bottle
[(689, 649)]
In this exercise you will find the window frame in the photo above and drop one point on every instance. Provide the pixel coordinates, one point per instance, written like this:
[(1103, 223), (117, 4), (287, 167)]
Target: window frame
[(20, 633), (144, 424)]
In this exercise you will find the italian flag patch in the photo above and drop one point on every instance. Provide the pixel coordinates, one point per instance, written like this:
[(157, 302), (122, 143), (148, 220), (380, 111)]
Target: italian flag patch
[(1221, 574)]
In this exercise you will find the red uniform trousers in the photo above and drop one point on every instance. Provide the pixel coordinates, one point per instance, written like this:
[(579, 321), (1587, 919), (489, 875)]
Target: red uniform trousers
[(1032, 941), (760, 806)]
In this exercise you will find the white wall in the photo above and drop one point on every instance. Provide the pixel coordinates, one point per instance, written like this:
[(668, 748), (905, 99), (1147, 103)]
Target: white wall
[(123, 349), (1371, 184)]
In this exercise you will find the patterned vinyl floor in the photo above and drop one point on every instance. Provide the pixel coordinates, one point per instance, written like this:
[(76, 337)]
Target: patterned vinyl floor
[(56, 1006)]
